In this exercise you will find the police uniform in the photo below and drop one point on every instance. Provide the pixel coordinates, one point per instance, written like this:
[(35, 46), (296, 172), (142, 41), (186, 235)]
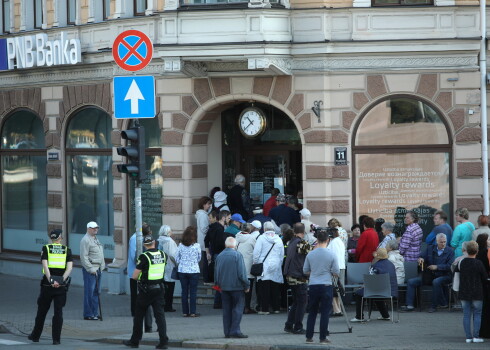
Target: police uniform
[(57, 256), (151, 292)]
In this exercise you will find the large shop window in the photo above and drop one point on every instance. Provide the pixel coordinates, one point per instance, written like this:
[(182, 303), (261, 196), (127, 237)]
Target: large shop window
[(152, 187), (89, 177), (402, 159), (24, 184)]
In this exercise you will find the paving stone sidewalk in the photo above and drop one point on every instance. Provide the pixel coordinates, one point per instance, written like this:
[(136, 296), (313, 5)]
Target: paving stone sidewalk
[(416, 330)]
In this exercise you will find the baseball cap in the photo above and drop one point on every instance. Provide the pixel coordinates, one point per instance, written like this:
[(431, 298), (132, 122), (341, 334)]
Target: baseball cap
[(237, 217), (55, 234), (92, 224), (257, 224), (281, 198), (148, 239), (257, 209)]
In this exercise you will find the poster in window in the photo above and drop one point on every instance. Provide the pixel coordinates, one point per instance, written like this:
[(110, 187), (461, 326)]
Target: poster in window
[(256, 192)]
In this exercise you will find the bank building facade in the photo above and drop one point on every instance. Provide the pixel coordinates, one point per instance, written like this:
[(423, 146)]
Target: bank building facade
[(365, 107)]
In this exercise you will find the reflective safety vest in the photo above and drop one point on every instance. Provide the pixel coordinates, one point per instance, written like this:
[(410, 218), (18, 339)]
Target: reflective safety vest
[(56, 256), (156, 262)]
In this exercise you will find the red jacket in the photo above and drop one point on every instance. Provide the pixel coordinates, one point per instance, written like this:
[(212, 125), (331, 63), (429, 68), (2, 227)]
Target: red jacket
[(367, 244), (269, 204)]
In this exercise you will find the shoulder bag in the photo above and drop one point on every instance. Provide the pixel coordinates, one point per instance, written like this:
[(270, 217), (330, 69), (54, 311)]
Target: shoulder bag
[(457, 277), (258, 269)]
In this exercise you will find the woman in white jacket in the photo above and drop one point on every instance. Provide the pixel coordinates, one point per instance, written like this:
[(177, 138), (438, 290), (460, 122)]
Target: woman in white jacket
[(168, 245), (337, 247), (202, 220), (269, 283), (245, 245), (397, 259)]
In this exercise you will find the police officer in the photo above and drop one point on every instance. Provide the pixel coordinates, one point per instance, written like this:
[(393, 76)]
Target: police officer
[(149, 272), (57, 265)]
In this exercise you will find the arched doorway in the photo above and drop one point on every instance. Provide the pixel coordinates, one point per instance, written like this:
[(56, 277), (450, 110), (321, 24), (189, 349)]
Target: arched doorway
[(269, 160), (402, 160)]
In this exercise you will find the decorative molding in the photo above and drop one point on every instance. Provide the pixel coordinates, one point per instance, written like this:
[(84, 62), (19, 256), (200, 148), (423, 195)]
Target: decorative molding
[(195, 69), (259, 4), (274, 65), (232, 66)]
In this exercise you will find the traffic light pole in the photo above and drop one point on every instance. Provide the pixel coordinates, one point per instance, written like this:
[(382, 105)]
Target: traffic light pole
[(139, 218)]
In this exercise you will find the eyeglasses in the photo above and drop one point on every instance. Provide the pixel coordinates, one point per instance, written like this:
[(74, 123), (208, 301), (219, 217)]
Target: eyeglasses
[(94, 228)]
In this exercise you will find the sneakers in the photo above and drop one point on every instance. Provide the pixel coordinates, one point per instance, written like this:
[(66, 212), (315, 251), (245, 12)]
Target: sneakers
[(300, 331), (239, 335), (309, 340), (381, 318), (432, 310), (91, 318), (477, 340), (407, 308), (56, 342), (337, 314), (469, 340), (443, 306), (276, 311), (130, 344), (288, 330), (325, 341), (263, 313), (357, 320)]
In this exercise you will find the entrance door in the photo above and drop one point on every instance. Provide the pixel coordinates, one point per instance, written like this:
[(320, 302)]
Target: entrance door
[(264, 171)]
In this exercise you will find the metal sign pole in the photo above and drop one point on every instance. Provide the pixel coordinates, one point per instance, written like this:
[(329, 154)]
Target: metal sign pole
[(139, 218)]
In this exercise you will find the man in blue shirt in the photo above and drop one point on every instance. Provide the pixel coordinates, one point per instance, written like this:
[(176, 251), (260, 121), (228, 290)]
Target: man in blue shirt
[(230, 276), (441, 226)]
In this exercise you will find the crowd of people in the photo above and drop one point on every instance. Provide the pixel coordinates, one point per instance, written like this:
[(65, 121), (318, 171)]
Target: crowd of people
[(261, 253)]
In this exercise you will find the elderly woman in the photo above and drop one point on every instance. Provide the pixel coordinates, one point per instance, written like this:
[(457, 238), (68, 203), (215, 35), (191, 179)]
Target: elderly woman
[(168, 245), (388, 235), (334, 223), (269, 251), (352, 242), (395, 257), (245, 245), (482, 227), (305, 220), (463, 232), (412, 237)]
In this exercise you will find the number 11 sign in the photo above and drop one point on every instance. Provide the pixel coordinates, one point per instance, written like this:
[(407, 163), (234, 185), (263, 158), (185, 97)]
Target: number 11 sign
[(340, 155)]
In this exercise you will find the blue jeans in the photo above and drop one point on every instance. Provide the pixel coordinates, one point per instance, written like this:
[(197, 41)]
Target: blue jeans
[(90, 293), (475, 307), (188, 282), (320, 299), (233, 303), (438, 293)]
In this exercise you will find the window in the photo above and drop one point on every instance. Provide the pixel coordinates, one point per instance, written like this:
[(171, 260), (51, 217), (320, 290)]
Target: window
[(89, 177), (38, 14), (106, 10), (24, 183), (140, 7), (202, 2), (6, 16), (402, 161), (401, 2), (152, 187), (71, 11)]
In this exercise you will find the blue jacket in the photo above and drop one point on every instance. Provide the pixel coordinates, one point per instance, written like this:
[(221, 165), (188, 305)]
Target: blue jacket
[(384, 266), (284, 215), (229, 271), (443, 261), (444, 228)]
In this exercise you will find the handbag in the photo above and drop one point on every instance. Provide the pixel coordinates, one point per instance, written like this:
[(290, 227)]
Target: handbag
[(456, 278), (175, 273), (258, 268)]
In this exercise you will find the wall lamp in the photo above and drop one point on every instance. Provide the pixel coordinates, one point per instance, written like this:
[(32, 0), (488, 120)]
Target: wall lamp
[(316, 108)]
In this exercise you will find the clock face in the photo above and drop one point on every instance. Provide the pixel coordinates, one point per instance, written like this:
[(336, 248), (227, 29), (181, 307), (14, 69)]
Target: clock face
[(251, 122)]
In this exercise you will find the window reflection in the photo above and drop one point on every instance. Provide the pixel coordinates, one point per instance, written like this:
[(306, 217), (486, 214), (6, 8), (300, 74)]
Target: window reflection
[(401, 121), (24, 185), (89, 177)]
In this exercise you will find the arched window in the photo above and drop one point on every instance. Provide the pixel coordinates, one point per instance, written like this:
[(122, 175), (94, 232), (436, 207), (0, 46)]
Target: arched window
[(151, 188), (402, 161), (24, 183), (89, 177)]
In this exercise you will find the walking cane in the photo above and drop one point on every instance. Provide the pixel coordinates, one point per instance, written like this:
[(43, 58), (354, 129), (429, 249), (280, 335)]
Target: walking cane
[(98, 295)]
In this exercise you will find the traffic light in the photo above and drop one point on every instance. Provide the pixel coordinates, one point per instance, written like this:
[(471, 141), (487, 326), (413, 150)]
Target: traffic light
[(135, 153)]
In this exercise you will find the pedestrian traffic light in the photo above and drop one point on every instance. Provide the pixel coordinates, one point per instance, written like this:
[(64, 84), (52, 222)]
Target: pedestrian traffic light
[(135, 153)]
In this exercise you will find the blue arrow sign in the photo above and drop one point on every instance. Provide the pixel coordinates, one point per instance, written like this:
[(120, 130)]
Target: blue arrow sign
[(134, 97)]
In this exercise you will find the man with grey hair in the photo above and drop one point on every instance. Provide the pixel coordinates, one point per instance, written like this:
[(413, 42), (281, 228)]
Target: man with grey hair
[(238, 199), (387, 230), (282, 214), (230, 276), (438, 259)]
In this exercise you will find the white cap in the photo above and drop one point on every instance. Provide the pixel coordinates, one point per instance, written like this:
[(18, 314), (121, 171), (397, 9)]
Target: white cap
[(305, 213), (92, 224), (257, 224)]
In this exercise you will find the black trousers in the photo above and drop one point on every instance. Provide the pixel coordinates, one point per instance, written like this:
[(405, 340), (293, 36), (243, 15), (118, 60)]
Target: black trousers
[(269, 295), (155, 298), (47, 295), (298, 307), (133, 288), (380, 304), (169, 295)]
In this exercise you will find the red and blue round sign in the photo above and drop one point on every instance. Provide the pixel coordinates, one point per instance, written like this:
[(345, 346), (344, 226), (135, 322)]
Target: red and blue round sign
[(132, 50)]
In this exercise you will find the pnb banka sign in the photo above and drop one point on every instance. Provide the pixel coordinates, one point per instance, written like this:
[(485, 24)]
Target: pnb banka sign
[(37, 51)]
